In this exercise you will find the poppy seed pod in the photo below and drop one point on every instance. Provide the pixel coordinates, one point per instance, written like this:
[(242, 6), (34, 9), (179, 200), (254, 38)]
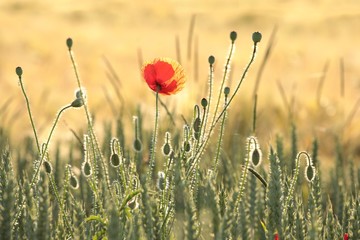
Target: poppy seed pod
[(211, 60), (256, 37), (48, 167)]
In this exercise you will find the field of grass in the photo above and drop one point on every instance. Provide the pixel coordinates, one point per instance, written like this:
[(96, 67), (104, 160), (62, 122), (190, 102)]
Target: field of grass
[(262, 142)]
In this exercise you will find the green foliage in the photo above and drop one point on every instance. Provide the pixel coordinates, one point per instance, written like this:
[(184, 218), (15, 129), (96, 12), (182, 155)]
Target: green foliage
[(274, 198), (201, 189)]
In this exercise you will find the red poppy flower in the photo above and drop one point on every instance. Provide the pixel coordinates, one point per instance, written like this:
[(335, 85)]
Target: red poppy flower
[(164, 75), (346, 236), (276, 236)]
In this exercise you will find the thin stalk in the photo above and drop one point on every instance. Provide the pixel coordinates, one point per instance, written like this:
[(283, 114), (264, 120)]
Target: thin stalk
[(177, 47), (29, 112), (154, 138), (190, 36), (56, 193), (226, 72), (251, 141), (321, 84), (90, 125), (222, 128), (342, 78), (206, 115), (212, 127), (265, 60), (290, 194), (254, 113), (167, 112), (37, 170), (239, 84)]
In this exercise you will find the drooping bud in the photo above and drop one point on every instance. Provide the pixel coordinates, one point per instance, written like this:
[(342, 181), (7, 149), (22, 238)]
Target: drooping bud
[(166, 148), (187, 146), (74, 183), (86, 169), (256, 157), (115, 160), (78, 102), (309, 173), (48, 167), (137, 145)]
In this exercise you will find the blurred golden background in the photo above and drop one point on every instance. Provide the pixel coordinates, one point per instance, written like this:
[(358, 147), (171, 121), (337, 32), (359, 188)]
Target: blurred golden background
[(309, 36)]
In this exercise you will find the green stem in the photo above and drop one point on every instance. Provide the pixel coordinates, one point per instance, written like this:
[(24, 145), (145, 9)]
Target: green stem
[(29, 112), (219, 144), (91, 128), (52, 130), (226, 72), (246, 169), (239, 84), (206, 111), (212, 127), (254, 113), (290, 194), (56, 193), (42, 154), (154, 139)]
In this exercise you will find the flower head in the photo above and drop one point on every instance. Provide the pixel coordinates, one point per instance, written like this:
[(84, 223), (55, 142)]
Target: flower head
[(164, 75)]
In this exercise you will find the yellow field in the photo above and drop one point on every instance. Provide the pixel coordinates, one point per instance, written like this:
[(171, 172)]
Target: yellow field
[(310, 33)]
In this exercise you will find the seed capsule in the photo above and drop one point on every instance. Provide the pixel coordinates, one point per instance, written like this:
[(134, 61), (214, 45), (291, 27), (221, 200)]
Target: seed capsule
[(74, 182), (233, 36), (115, 160), (48, 167), (256, 37), (211, 60)]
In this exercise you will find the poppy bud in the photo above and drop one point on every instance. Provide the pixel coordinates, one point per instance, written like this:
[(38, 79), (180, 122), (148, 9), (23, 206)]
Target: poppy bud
[(233, 36), (19, 71), (69, 43), (256, 37)]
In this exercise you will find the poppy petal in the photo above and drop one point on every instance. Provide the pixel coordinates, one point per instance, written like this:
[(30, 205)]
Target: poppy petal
[(164, 75)]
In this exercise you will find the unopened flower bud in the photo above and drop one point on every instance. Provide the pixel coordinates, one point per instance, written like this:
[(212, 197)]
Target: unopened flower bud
[(211, 60), (233, 36), (48, 167), (78, 102), (69, 43), (256, 37), (19, 71)]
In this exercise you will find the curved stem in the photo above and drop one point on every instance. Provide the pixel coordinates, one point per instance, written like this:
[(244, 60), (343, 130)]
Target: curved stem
[(42, 154), (290, 194), (52, 130)]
